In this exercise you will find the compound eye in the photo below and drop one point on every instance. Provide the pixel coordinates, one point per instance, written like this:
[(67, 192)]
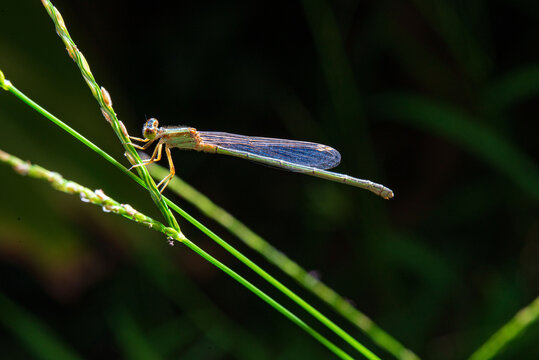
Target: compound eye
[(153, 123), (149, 131)]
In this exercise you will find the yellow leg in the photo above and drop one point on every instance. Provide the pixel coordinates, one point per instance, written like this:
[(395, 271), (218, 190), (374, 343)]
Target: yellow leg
[(156, 156), (148, 143), (138, 139), (169, 177)]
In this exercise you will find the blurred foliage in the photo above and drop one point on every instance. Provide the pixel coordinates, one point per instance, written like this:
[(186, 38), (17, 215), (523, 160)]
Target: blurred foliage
[(435, 99)]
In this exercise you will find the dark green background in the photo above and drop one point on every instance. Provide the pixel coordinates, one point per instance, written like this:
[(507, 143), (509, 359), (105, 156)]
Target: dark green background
[(437, 100)]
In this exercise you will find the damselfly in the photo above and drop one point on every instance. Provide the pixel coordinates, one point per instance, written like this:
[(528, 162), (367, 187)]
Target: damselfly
[(297, 156)]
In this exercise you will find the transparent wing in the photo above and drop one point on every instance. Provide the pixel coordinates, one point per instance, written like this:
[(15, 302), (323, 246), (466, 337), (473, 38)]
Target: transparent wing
[(297, 152)]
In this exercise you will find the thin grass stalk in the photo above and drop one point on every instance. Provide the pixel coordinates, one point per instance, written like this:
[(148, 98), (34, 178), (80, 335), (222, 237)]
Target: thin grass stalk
[(96, 197), (7, 85), (346, 100), (99, 198), (198, 308), (105, 102), (509, 332), (287, 265)]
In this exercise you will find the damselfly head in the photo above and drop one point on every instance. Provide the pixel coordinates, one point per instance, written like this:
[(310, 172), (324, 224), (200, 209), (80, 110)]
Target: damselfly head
[(149, 130)]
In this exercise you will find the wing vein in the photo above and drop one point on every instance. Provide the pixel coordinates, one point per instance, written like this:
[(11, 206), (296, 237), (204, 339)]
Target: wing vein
[(296, 152)]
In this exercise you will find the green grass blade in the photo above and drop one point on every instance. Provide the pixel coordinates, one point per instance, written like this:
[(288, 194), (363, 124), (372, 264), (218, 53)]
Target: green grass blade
[(129, 336), (105, 102), (158, 264), (337, 351), (11, 88), (348, 117), (86, 142), (283, 262), (109, 205), (96, 197), (285, 290), (331, 325), (507, 333), (519, 85)]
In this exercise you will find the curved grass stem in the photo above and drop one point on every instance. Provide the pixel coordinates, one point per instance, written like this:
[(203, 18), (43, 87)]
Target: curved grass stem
[(287, 265), (331, 325), (105, 102), (509, 332), (99, 198)]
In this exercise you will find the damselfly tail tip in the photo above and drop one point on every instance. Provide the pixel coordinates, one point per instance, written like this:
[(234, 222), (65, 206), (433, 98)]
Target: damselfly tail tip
[(387, 194)]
